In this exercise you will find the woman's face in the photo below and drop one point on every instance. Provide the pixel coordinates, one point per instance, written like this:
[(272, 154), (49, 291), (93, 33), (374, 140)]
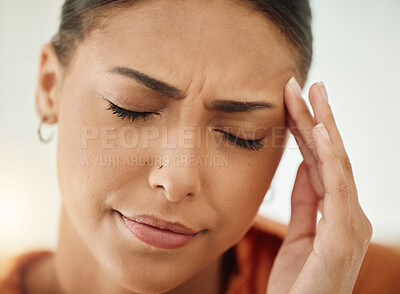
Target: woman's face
[(209, 53)]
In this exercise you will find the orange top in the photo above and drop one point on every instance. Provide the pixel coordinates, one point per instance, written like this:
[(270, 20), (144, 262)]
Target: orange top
[(254, 255)]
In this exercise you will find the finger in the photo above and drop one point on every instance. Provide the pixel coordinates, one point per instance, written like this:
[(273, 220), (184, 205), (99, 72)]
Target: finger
[(336, 239), (323, 113), (309, 158), (304, 203), (300, 115), (337, 206), (314, 166), (300, 123)]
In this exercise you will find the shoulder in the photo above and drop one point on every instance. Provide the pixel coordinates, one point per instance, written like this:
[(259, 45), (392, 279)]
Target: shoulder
[(12, 270)]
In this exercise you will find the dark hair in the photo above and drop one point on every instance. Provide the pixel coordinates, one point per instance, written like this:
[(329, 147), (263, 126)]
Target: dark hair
[(293, 18)]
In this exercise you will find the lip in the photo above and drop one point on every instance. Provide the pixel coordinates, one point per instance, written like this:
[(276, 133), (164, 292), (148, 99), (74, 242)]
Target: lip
[(158, 232)]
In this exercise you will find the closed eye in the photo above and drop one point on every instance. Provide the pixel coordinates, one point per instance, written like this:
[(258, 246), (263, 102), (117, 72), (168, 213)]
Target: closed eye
[(128, 114), (251, 145), (122, 113)]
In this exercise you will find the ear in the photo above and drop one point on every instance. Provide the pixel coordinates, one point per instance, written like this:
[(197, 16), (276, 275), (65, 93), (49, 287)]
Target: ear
[(48, 86)]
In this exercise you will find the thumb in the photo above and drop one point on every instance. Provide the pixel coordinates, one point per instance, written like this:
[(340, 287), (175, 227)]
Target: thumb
[(304, 207)]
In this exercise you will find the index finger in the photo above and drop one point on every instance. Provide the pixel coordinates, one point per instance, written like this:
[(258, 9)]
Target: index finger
[(301, 123)]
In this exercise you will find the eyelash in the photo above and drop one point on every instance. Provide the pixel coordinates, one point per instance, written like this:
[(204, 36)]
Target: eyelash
[(130, 115), (251, 145)]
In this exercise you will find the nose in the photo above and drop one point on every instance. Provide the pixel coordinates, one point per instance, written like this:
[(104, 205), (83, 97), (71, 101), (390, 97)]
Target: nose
[(177, 179)]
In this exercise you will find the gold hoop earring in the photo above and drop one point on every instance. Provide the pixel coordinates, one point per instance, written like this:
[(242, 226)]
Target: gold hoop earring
[(39, 131)]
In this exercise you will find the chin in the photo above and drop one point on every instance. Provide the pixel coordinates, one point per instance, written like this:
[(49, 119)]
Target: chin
[(151, 287), (144, 275), (143, 283)]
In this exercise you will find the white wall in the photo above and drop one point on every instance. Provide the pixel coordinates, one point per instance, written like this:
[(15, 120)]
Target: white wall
[(357, 45), (357, 55)]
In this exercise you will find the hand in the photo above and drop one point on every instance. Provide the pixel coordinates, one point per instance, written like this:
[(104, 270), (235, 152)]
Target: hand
[(323, 258)]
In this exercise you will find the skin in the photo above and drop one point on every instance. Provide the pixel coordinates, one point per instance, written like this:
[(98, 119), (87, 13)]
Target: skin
[(216, 55)]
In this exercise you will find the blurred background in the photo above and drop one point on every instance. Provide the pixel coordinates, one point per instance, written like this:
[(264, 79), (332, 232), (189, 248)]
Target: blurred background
[(356, 54)]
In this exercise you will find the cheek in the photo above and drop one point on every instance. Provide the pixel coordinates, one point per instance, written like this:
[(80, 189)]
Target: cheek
[(243, 185), (89, 165)]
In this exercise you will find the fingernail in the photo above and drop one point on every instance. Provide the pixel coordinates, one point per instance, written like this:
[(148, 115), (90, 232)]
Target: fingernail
[(295, 86), (321, 128), (322, 91)]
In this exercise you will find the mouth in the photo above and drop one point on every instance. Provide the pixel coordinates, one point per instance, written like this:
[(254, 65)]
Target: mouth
[(158, 232)]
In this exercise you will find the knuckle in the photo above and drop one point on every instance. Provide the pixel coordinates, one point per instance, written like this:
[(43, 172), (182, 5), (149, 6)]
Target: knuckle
[(363, 245), (354, 243), (366, 225), (343, 188), (362, 234), (369, 228)]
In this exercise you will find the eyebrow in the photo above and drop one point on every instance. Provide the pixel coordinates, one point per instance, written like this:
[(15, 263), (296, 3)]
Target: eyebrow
[(170, 91)]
